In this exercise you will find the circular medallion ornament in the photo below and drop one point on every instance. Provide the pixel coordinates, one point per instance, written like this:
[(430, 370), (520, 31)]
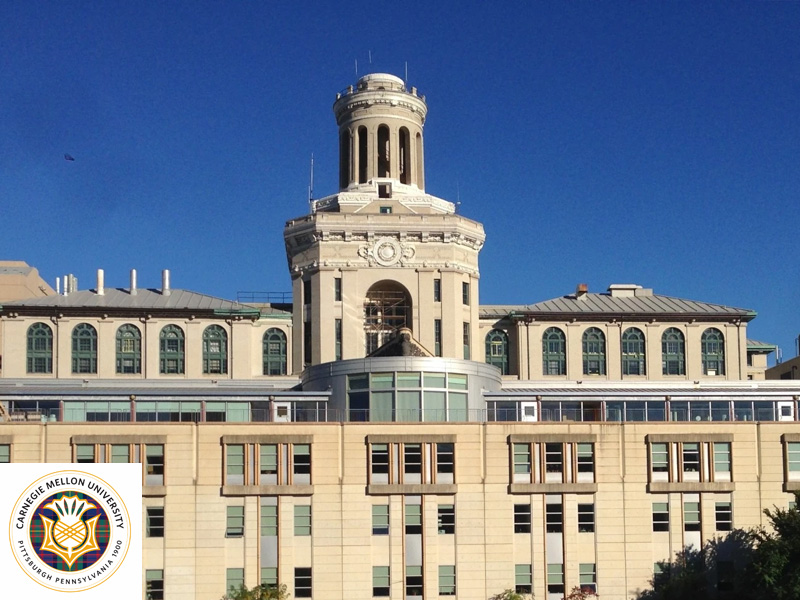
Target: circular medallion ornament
[(70, 531), (387, 252)]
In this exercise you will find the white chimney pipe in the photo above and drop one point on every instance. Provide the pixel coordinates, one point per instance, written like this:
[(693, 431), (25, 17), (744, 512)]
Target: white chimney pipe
[(58, 286), (66, 285), (100, 282), (165, 282), (133, 282)]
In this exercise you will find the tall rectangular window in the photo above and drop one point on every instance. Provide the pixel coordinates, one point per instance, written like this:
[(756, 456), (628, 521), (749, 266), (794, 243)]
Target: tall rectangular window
[(554, 517), (691, 516), (5, 453), (522, 461), (523, 579), (412, 462), (301, 463), (154, 584), (269, 520), (234, 579), (659, 458), (269, 577), (555, 578), (381, 582), (414, 581), (522, 518), (722, 460), (465, 293), (446, 518), (437, 290), (234, 464), (413, 519), (447, 580), (586, 518), (155, 521), (465, 328), (154, 467), (437, 337), (691, 457), (380, 519), (587, 574), (724, 516), (302, 582), (554, 458), (337, 332), (660, 516), (585, 458), (302, 520), (793, 460), (445, 462), (234, 521), (337, 289), (84, 453)]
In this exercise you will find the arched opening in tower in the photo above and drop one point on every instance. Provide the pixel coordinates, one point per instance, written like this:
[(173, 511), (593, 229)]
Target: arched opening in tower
[(387, 308)]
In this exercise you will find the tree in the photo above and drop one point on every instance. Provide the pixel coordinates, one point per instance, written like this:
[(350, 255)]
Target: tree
[(581, 593), (753, 564), (260, 592), (510, 594), (774, 568)]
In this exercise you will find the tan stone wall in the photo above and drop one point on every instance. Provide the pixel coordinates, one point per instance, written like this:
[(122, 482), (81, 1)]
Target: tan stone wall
[(342, 550), (245, 338), (527, 349)]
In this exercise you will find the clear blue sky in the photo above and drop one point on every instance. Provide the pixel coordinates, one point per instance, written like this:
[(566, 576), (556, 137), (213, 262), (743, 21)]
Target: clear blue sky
[(655, 143)]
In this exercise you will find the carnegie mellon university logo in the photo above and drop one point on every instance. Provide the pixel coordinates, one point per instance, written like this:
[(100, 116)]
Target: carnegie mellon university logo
[(69, 531)]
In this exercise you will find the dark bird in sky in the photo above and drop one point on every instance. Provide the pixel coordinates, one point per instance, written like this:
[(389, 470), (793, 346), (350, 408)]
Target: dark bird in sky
[(69, 157)]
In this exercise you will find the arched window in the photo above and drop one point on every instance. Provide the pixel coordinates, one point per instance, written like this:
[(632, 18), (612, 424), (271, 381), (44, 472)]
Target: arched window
[(129, 350), (594, 352), (344, 159), (274, 352), (405, 156), (215, 350), (554, 352), (384, 156), (362, 155), (387, 308), (673, 349), (84, 349), (712, 349), (497, 350), (172, 356), (419, 172), (633, 352), (40, 348)]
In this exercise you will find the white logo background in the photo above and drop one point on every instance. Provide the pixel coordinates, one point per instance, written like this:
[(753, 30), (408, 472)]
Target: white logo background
[(126, 479)]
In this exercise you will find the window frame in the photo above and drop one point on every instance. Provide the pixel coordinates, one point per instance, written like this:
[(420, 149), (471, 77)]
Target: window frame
[(593, 344), (84, 348), (446, 519), (673, 352), (274, 363), (234, 521), (554, 352), (303, 582), (522, 518), (128, 333), (634, 352), (215, 358), (39, 360), (154, 522), (171, 350), (586, 517), (497, 338)]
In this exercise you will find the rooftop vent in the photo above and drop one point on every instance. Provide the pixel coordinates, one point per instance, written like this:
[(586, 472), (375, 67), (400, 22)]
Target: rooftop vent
[(581, 290)]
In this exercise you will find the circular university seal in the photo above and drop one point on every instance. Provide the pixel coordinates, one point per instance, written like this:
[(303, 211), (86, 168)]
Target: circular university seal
[(69, 531)]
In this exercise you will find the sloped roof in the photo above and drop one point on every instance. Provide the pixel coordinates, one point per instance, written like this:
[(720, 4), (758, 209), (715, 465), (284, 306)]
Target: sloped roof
[(144, 299), (756, 345), (591, 304)]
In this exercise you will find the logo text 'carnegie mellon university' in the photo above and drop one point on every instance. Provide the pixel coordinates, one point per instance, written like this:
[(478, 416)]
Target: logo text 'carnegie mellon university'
[(69, 531)]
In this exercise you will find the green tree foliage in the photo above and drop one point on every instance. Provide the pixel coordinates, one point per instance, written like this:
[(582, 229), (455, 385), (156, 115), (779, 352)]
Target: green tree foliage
[(581, 593), (510, 595), (260, 592), (756, 564), (775, 568)]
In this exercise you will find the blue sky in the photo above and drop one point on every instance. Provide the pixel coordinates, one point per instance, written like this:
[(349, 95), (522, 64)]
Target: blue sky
[(602, 142)]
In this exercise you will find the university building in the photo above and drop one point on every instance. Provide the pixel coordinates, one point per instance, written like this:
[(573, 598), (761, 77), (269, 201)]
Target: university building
[(381, 434)]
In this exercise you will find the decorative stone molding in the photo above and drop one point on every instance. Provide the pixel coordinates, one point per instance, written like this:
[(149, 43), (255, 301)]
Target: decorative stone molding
[(387, 252)]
